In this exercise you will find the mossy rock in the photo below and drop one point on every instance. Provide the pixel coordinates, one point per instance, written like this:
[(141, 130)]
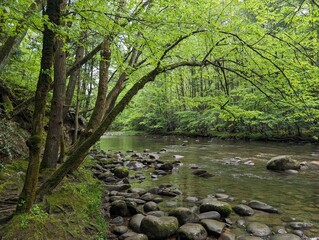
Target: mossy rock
[(282, 163), (121, 172), (209, 204), (159, 227)]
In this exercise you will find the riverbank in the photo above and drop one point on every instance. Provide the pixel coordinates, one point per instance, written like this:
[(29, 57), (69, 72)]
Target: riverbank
[(71, 212), (227, 136)]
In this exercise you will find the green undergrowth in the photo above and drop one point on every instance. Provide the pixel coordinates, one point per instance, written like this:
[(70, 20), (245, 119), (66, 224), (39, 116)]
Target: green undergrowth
[(71, 212)]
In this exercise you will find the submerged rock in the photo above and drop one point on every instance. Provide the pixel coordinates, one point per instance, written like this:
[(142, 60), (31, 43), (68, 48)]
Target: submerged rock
[(258, 229), (286, 236), (258, 205), (300, 225), (282, 163)]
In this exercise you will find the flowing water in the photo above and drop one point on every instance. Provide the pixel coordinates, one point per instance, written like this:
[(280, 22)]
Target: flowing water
[(295, 195)]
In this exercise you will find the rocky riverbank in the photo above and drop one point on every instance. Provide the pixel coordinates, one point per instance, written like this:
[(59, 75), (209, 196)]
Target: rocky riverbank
[(135, 213)]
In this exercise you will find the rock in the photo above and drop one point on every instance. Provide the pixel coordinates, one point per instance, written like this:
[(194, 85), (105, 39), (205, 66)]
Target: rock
[(191, 199), (258, 229), (202, 173), (121, 172), (139, 191), (213, 227), (166, 167), (150, 206), (209, 204), (279, 229), (159, 227), (117, 187), (117, 221), (138, 236), (156, 213), (135, 222), (184, 215), (147, 197), (227, 236), (248, 237), (262, 206), (286, 236), (300, 225), (153, 156), (243, 210), (126, 235), (282, 163), (119, 230), (192, 231), (290, 171), (119, 208), (132, 207), (313, 165), (209, 215), (221, 196)]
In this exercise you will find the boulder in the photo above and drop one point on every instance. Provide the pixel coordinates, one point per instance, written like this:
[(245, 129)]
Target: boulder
[(135, 222), (209, 204), (213, 227), (159, 227), (258, 205), (138, 236), (258, 229), (209, 215), (119, 230), (286, 236), (191, 231), (184, 215), (119, 208), (282, 163), (121, 172), (227, 236), (243, 210), (248, 237), (166, 167), (150, 206)]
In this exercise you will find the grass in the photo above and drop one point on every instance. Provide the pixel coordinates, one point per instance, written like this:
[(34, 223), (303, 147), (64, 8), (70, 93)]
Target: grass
[(71, 212)]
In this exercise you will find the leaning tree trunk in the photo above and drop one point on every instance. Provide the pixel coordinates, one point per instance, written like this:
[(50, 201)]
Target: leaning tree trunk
[(27, 196), (77, 156)]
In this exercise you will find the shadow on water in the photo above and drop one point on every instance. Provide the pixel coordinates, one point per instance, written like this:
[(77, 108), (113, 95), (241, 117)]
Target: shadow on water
[(240, 171)]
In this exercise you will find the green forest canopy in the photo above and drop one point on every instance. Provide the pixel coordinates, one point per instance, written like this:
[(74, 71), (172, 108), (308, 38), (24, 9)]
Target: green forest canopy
[(216, 66)]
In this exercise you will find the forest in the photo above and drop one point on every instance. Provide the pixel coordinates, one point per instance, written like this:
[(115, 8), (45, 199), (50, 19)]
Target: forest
[(71, 70)]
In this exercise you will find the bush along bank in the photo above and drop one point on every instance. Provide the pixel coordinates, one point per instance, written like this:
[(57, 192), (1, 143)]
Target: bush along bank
[(138, 213)]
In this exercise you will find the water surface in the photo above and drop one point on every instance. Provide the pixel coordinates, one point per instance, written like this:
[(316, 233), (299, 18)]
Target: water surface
[(295, 195)]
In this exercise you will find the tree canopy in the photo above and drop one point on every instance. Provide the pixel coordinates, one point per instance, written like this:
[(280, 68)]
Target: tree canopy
[(203, 67)]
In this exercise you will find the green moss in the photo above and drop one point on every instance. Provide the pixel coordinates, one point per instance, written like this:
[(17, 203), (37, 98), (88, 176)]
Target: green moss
[(71, 212)]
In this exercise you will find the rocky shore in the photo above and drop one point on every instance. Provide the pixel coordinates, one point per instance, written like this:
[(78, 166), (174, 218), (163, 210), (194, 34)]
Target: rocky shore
[(135, 213)]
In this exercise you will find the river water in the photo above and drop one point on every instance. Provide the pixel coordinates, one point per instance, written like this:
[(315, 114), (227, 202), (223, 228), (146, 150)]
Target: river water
[(295, 195)]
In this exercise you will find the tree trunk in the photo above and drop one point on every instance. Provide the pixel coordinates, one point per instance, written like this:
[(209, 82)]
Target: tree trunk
[(77, 156), (99, 108), (74, 78), (27, 196), (53, 141)]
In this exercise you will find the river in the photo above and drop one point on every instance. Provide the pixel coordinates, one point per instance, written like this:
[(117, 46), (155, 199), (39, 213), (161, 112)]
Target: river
[(295, 195)]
